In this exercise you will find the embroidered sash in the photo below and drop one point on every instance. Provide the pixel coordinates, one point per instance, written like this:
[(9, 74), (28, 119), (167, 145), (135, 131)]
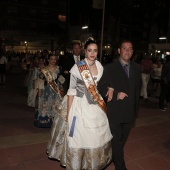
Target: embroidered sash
[(90, 84), (52, 82)]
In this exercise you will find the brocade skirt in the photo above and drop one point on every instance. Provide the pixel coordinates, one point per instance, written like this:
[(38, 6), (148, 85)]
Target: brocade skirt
[(75, 158)]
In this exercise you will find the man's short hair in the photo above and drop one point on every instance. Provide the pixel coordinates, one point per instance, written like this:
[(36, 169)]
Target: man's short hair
[(76, 42), (123, 41)]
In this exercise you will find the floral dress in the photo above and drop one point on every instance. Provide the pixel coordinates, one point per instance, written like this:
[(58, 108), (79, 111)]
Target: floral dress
[(44, 108)]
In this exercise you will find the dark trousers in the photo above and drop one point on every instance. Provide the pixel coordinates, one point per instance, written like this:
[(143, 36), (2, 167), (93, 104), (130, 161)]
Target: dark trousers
[(168, 92), (165, 93), (120, 134)]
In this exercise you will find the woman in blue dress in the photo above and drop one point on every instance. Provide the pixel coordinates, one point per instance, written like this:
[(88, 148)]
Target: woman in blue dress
[(50, 95)]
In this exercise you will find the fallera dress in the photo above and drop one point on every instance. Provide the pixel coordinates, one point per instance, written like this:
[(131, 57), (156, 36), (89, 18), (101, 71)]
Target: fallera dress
[(38, 83), (90, 146), (44, 107)]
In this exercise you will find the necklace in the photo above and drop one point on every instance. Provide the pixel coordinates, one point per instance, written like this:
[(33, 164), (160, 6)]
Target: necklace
[(92, 64)]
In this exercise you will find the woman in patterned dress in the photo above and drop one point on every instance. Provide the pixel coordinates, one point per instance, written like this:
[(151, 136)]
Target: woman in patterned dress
[(46, 100)]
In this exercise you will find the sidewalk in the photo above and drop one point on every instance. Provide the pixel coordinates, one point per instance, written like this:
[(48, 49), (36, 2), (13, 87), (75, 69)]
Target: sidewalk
[(23, 146)]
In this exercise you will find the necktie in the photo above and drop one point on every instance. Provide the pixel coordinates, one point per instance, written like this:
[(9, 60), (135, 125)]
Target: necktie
[(126, 70), (78, 59)]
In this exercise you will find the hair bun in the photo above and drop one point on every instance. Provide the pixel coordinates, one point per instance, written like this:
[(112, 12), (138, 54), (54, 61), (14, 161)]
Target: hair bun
[(89, 39)]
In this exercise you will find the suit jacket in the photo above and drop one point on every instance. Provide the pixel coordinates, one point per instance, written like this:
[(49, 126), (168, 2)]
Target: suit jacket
[(121, 111), (66, 62)]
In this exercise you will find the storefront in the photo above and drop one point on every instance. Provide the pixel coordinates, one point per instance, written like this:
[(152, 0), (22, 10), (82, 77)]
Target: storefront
[(159, 50)]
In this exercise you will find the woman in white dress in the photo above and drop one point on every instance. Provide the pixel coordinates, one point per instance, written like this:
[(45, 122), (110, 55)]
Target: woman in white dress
[(80, 135), (89, 134)]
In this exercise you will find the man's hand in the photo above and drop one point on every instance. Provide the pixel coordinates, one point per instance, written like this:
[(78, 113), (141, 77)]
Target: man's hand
[(121, 95)]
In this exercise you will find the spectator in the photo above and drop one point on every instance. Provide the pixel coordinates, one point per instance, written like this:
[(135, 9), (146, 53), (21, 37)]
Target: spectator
[(146, 66)]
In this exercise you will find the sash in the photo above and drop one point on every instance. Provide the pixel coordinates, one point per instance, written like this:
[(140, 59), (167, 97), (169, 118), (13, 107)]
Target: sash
[(90, 84), (52, 82)]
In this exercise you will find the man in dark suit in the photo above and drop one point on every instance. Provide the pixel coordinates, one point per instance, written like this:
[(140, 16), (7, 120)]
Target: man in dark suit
[(68, 60), (123, 79)]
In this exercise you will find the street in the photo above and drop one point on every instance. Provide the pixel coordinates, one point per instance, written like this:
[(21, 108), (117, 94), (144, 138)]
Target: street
[(23, 146)]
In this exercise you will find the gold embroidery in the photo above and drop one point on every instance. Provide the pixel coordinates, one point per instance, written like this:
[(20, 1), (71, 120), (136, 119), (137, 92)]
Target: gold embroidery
[(90, 84)]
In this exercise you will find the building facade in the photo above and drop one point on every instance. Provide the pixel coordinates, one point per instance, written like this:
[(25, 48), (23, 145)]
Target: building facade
[(28, 25)]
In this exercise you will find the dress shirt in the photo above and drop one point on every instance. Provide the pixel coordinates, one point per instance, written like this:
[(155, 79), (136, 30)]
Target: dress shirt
[(126, 67), (76, 58)]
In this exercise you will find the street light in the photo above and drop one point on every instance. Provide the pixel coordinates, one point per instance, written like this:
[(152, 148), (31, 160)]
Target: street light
[(26, 46), (163, 38), (85, 27), (84, 34)]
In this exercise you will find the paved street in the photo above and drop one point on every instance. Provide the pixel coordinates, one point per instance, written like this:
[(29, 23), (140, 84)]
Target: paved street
[(23, 146)]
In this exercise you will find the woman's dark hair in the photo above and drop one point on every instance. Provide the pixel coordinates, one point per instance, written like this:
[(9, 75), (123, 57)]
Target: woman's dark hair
[(51, 55), (90, 40)]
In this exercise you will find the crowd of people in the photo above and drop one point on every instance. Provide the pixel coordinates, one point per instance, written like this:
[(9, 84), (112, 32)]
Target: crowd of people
[(79, 98), (155, 73)]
